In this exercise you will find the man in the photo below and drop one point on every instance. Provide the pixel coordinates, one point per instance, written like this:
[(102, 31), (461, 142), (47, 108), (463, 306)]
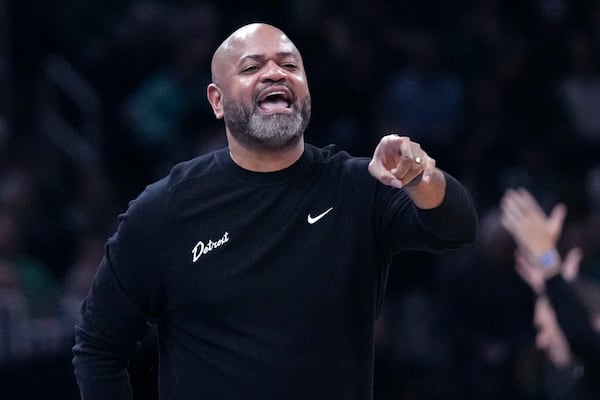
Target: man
[(263, 264), (564, 314)]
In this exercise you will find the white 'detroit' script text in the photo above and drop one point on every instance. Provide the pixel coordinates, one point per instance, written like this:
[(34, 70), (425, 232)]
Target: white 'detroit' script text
[(200, 248)]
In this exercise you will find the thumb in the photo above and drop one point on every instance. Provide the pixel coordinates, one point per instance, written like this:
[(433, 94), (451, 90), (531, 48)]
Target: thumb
[(571, 263), (557, 218)]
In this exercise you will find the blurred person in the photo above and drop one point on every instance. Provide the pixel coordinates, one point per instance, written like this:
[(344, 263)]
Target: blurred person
[(76, 285), (33, 199), (36, 280), (578, 93), (485, 335), (580, 88), (93, 202), (164, 108), (28, 299), (565, 317), (77, 281), (584, 231), (13, 309), (263, 264), (424, 97), (117, 61)]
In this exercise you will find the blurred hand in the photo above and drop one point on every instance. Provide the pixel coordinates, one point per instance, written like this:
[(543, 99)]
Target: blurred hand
[(536, 277), (533, 231), (571, 263)]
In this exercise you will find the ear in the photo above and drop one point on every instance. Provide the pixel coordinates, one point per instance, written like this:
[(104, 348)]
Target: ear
[(215, 98)]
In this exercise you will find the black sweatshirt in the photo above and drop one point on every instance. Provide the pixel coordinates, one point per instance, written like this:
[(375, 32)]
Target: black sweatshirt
[(574, 320), (262, 285)]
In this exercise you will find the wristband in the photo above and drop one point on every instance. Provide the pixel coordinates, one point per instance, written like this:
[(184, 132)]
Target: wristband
[(549, 259)]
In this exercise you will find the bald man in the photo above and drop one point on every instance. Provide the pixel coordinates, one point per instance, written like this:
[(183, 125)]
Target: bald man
[(263, 264)]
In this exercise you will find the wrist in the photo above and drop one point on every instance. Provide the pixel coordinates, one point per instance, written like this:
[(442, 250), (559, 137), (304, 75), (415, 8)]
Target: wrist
[(549, 261), (430, 193)]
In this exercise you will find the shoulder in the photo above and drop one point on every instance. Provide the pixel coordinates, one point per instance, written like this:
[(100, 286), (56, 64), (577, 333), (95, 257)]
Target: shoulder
[(193, 169), (154, 199), (348, 173), (333, 156)]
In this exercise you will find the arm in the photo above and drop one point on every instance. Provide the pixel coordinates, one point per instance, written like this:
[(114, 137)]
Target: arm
[(125, 294), (107, 337), (538, 263), (400, 162), (433, 210), (574, 321), (535, 234)]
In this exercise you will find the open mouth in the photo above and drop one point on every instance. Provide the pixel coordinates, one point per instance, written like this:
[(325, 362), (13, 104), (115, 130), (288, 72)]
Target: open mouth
[(274, 100)]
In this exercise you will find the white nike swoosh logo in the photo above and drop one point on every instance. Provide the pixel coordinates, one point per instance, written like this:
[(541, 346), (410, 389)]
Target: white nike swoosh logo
[(312, 220)]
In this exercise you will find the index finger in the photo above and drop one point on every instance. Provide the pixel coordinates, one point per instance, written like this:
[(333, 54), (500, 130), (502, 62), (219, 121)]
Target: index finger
[(406, 148)]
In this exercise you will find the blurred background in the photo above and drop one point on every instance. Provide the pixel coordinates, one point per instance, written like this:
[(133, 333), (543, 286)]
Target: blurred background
[(99, 98)]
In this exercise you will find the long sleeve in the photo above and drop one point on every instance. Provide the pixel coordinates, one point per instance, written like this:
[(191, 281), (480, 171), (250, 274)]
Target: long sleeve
[(254, 296), (454, 222), (121, 301), (574, 320), (103, 348), (451, 225)]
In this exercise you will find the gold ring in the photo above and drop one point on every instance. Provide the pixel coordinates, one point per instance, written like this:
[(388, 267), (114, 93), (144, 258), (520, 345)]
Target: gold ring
[(418, 160)]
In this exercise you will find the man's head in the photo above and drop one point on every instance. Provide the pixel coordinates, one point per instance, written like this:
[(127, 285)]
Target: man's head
[(260, 88)]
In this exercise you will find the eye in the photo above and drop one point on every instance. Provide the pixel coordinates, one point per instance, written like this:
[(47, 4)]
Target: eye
[(250, 68), (289, 66)]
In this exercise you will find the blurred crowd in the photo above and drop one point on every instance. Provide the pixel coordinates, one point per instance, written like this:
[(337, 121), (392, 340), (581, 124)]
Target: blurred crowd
[(99, 99)]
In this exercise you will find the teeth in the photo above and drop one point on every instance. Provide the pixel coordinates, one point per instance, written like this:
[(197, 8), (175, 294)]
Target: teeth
[(282, 93)]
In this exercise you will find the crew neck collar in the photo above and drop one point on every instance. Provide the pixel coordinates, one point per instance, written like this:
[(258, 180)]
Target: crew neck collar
[(294, 171)]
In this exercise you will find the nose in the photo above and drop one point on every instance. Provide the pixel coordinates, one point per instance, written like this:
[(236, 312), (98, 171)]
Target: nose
[(273, 72)]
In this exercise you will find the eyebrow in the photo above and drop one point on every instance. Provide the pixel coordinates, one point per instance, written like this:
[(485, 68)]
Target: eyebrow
[(262, 57)]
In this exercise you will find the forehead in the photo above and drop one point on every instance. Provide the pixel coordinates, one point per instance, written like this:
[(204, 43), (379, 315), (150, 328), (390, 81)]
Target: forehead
[(264, 41)]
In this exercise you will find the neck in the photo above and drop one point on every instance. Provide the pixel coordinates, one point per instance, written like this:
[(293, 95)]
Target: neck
[(260, 160)]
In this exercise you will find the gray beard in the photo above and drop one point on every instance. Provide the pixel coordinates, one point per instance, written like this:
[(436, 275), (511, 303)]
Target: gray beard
[(268, 132)]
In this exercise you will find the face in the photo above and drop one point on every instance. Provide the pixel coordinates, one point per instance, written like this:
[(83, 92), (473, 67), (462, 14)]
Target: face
[(260, 88), (550, 339)]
